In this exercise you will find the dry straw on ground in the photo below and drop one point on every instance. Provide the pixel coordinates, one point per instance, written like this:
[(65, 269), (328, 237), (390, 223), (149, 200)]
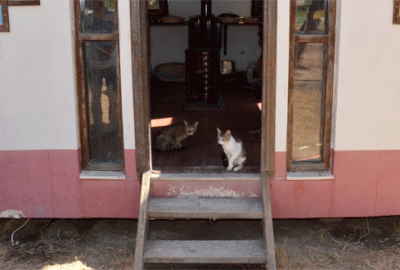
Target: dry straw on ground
[(109, 244)]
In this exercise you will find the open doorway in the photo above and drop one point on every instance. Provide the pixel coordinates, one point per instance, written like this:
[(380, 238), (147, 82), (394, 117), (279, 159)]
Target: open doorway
[(205, 88), (158, 104)]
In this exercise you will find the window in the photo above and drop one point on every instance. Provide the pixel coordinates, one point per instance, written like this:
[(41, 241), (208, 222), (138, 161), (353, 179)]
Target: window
[(311, 60), (98, 84)]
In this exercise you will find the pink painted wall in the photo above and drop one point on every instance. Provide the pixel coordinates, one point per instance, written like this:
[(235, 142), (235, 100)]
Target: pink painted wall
[(366, 183), (46, 184)]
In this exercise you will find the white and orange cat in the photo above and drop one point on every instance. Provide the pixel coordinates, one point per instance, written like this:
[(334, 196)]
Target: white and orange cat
[(233, 148), (170, 138)]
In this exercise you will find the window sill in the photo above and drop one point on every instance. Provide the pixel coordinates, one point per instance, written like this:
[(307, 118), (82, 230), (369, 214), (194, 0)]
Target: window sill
[(314, 175), (101, 175)]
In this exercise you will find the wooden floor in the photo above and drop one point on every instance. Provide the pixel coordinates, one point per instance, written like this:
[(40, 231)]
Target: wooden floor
[(241, 114)]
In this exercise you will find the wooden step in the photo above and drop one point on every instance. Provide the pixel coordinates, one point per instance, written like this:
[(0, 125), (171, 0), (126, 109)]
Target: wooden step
[(228, 175), (213, 208), (225, 252)]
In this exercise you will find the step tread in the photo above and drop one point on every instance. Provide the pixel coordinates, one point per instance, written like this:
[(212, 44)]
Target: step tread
[(214, 208), (205, 177), (226, 252)]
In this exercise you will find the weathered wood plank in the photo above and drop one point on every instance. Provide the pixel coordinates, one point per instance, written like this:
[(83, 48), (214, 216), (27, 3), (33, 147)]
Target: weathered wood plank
[(312, 38), (213, 208), (141, 83), (270, 14), (267, 222), (268, 113), (292, 48), (24, 3), (143, 222), (224, 252), (205, 177), (330, 70), (97, 37)]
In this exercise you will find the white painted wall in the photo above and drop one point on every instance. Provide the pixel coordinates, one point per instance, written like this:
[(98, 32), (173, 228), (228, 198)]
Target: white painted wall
[(282, 68), (126, 74), (37, 88), (38, 105), (368, 86), (168, 44)]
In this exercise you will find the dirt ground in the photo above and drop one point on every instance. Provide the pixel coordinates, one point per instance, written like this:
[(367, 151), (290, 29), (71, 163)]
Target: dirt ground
[(362, 243)]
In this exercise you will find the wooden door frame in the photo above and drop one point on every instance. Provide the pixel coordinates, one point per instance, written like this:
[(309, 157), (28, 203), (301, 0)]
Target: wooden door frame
[(141, 85)]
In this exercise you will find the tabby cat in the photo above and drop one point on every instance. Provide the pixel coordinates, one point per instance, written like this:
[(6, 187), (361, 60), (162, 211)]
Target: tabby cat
[(233, 148), (170, 138)]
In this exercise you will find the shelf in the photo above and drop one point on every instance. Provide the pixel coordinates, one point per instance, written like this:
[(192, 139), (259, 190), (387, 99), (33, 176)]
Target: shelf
[(169, 24)]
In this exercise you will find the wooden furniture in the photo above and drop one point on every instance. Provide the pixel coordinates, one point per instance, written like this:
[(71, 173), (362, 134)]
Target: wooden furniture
[(202, 78), (203, 61), (204, 252)]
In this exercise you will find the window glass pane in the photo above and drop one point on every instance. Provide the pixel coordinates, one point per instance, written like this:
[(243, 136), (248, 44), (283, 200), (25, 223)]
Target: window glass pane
[(308, 95), (98, 16), (102, 101), (311, 17)]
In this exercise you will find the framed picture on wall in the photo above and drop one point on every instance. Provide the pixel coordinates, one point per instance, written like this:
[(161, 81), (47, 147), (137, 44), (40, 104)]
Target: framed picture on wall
[(4, 24), (396, 12), (23, 2)]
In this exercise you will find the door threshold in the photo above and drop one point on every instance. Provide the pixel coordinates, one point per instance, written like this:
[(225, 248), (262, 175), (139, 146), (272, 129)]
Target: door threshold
[(182, 176), (205, 170)]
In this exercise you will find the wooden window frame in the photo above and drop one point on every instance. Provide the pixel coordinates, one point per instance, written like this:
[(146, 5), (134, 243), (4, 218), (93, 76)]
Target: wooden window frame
[(396, 11), (4, 15), (326, 125), (80, 38)]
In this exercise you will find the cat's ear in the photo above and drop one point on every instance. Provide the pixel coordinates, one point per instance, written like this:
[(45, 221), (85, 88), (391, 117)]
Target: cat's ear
[(186, 124), (219, 131), (228, 133), (195, 125)]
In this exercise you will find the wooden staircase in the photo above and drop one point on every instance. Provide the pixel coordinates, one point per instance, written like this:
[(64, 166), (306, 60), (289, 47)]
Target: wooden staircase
[(205, 252)]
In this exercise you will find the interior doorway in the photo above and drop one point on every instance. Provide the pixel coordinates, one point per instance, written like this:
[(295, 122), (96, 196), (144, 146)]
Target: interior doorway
[(245, 111)]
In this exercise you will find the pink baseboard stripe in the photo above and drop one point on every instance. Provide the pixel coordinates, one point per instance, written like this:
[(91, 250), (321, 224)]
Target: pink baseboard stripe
[(46, 184), (366, 183)]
